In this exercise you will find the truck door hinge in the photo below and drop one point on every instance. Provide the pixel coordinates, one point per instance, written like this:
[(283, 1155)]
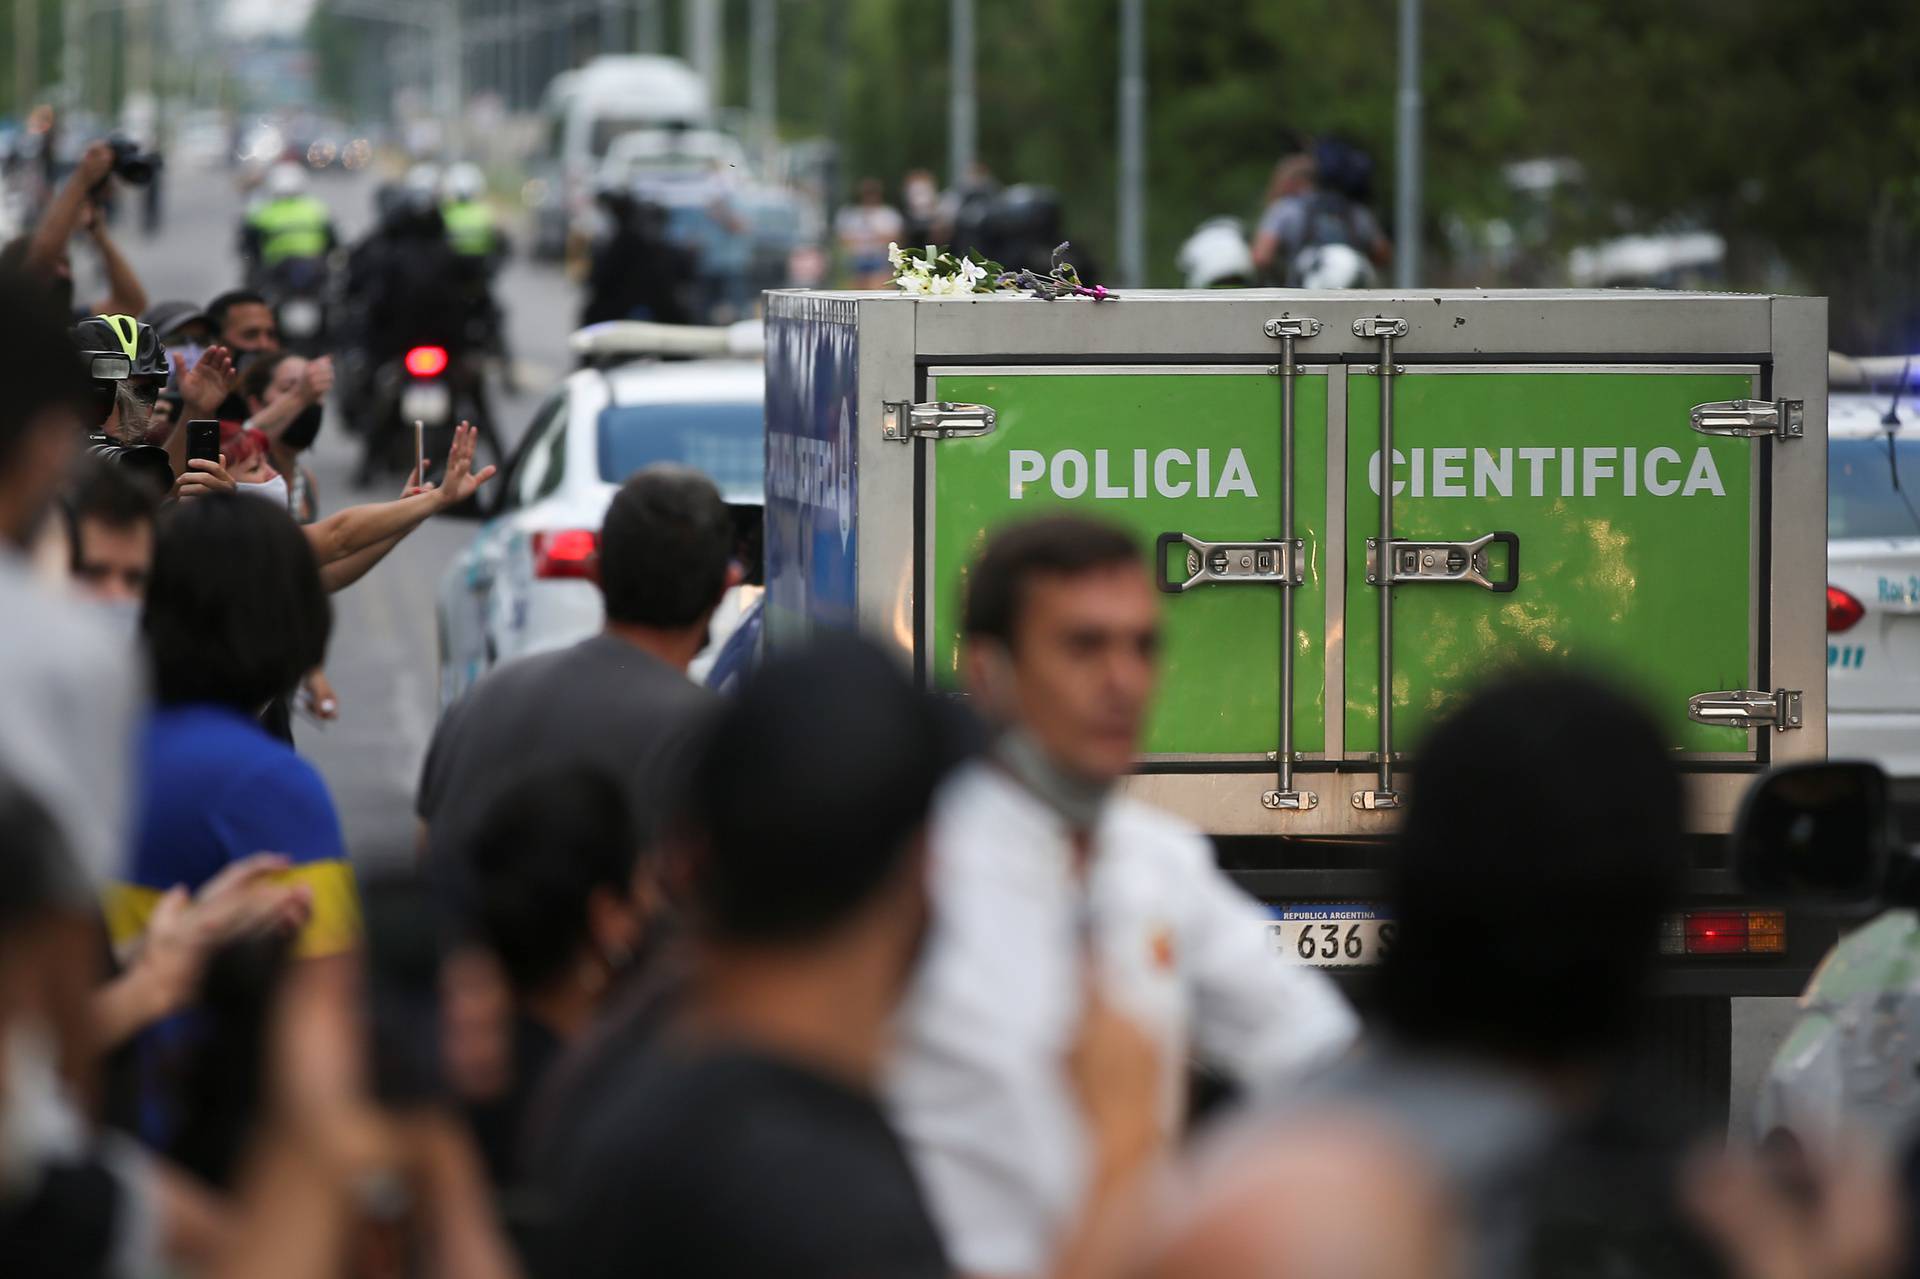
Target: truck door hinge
[(939, 420), (1782, 419), (1747, 708)]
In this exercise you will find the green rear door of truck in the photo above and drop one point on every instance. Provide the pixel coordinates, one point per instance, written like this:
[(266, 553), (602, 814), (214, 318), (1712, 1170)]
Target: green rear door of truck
[(1155, 450), (1635, 536)]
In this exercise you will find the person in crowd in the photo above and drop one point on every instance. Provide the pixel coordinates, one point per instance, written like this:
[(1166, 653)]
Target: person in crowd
[(618, 700), (269, 384), (359, 1165), (1304, 216), (562, 898), (245, 326), (235, 616), (182, 327), (920, 194), (1040, 871), (72, 1201), (864, 230), (1331, 1196), (747, 1137), (243, 322), (111, 524), (43, 255), (637, 273), (68, 695)]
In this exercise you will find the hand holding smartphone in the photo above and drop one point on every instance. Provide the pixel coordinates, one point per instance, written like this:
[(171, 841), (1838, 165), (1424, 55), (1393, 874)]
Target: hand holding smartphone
[(419, 452), (203, 440)]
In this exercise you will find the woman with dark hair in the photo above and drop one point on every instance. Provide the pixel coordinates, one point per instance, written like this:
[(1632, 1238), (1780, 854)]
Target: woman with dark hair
[(235, 615)]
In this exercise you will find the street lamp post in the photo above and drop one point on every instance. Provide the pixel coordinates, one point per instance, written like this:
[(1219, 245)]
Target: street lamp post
[(1406, 179), (960, 106), (1132, 196)]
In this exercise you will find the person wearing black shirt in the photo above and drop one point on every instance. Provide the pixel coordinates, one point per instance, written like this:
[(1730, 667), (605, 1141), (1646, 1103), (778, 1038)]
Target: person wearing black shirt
[(745, 1138)]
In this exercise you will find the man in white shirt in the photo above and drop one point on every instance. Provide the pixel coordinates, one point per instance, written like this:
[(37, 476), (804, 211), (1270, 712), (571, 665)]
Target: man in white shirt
[(1045, 879)]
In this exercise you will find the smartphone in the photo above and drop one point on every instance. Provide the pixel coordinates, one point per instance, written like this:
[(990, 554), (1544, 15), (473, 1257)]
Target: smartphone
[(203, 440), (419, 452)]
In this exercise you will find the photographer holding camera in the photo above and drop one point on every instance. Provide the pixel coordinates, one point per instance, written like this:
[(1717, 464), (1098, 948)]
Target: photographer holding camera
[(44, 253), (128, 368)]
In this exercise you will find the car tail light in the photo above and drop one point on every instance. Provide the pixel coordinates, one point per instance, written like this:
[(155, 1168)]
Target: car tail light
[(427, 361), (568, 552), (1843, 611), (1724, 932)]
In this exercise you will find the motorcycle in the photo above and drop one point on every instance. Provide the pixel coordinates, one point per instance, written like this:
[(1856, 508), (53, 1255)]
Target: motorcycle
[(298, 289), (432, 390)]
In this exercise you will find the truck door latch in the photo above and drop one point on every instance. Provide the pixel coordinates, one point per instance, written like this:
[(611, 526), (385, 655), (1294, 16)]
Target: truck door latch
[(1781, 419), (1410, 562), (1747, 708), (940, 420), (1261, 563)]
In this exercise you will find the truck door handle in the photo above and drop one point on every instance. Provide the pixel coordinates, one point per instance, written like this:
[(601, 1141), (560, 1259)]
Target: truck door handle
[(1410, 562), (1260, 563)]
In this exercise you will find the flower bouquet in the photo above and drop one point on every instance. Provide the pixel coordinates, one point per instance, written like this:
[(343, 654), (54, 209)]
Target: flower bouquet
[(933, 272)]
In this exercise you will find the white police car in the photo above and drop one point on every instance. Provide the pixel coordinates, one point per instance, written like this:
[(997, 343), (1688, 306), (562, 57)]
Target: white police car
[(1873, 568), (525, 584)]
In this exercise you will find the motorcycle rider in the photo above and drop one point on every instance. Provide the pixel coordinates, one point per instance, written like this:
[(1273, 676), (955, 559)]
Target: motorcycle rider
[(1313, 235), (469, 218), (637, 273), (479, 247), (288, 227), (409, 286)]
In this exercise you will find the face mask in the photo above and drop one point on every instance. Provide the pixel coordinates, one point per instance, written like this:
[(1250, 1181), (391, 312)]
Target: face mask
[(122, 618), (189, 354), (1076, 800), (273, 490), (300, 432)]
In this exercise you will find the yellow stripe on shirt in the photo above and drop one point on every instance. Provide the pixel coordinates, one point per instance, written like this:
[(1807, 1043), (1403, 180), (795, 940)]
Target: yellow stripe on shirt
[(333, 927)]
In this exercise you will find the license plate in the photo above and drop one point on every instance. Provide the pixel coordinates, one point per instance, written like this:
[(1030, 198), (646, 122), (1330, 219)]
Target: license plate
[(1330, 936), (428, 402)]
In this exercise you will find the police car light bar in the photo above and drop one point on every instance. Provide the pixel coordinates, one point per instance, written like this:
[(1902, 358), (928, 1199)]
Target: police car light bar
[(633, 339)]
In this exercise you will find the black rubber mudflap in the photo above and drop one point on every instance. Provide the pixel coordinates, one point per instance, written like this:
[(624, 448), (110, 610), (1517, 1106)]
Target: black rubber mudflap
[(1684, 1062)]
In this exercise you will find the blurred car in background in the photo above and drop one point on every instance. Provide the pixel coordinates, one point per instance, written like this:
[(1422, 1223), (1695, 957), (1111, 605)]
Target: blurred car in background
[(526, 582)]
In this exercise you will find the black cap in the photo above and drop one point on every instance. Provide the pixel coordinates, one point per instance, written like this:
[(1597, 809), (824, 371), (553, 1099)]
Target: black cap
[(807, 786), (168, 318)]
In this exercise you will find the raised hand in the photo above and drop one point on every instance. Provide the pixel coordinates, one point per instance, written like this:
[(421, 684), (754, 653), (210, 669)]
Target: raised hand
[(462, 481), (210, 381)]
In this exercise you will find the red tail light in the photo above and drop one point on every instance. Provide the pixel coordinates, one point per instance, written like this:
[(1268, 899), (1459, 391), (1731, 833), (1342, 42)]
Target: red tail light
[(427, 361), (566, 553), (1724, 932), (1843, 611)]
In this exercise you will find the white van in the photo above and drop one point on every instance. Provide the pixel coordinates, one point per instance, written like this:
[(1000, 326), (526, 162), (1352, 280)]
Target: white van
[(585, 110)]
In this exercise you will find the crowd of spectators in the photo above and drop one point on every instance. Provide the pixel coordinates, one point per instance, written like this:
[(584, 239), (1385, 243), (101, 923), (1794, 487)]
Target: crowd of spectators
[(830, 977)]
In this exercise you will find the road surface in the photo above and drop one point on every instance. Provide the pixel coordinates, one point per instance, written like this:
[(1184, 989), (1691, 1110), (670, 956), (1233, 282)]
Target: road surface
[(382, 660)]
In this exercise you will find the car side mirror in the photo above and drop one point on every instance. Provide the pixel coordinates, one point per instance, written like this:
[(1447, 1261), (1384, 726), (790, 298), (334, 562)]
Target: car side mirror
[(1821, 834)]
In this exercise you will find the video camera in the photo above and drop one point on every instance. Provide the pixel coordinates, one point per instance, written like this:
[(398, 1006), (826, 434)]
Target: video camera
[(132, 165)]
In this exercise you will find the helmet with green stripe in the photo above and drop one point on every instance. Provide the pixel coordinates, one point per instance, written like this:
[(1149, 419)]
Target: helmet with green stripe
[(121, 335)]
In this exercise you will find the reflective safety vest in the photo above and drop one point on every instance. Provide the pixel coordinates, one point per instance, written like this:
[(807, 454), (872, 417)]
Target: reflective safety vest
[(291, 227), (469, 228)]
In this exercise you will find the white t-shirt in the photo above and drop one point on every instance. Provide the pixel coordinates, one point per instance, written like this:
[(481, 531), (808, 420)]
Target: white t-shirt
[(979, 1088)]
